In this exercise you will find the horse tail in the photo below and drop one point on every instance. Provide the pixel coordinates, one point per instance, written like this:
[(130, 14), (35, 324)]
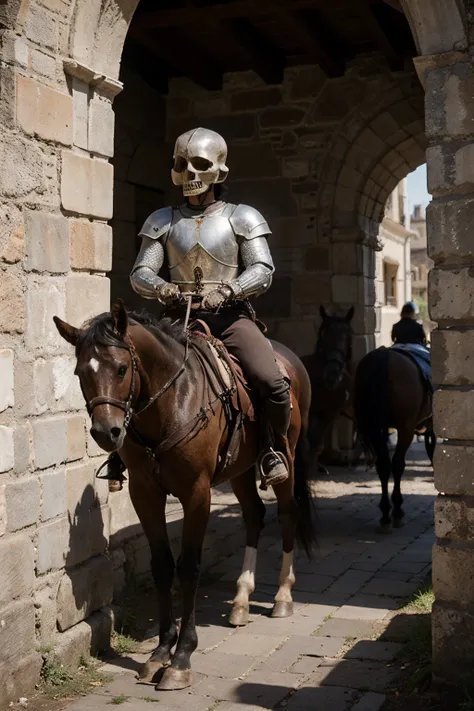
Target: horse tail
[(305, 524), (371, 403)]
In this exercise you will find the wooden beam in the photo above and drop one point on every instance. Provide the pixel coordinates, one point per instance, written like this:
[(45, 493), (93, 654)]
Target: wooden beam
[(381, 39), (189, 63), (265, 59), (316, 40), (221, 11)]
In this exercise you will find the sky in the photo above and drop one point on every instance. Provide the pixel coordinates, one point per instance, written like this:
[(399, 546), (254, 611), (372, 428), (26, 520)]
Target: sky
[(417, 191)]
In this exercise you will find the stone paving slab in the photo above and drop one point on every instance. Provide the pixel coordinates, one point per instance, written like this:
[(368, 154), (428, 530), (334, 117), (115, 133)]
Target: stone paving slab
[(334, 653)]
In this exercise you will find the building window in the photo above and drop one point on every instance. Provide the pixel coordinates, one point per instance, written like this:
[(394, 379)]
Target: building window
[(390, 271)]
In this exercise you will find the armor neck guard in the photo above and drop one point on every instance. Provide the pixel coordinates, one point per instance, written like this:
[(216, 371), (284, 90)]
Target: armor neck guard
[(192, 210)]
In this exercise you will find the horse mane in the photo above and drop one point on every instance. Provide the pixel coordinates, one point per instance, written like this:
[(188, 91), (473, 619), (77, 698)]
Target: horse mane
[(327, 323), (99, 331)]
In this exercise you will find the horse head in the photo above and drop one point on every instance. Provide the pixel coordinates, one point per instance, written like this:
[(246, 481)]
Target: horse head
[(108, 373), (334, 346)]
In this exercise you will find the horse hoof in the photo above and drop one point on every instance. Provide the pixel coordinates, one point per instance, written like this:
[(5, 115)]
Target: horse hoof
[(282, 609), (239, 616), (175, 679), (398, 522), (385, 528), (150, 670)]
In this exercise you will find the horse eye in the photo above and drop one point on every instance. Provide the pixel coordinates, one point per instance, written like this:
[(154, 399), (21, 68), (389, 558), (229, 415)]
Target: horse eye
[(122, 371)]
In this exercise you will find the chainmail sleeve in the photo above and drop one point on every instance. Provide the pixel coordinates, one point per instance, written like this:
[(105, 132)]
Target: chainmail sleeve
[(143, 278), (257, 275)]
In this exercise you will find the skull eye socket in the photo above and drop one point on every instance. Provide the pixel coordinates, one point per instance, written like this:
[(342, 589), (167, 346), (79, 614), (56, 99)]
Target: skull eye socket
[(180, 165), (200, 164)]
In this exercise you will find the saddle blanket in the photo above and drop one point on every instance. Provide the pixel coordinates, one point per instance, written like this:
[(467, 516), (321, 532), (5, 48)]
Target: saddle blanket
[(419, 355)]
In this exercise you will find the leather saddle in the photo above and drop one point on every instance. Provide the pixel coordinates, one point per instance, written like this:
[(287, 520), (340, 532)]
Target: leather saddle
[(229, 382)]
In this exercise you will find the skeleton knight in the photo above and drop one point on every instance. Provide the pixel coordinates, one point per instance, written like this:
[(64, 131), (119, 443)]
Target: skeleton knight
[(218, 253)]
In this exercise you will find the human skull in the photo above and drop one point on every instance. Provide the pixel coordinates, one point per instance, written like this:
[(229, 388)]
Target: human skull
[(199, 161)]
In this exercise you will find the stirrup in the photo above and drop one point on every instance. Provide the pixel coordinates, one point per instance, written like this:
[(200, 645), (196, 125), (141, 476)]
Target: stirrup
[(111, 476), (265, 480)]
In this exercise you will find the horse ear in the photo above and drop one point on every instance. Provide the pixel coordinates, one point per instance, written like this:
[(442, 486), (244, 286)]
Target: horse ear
[(323, 313), (68, 332), (350, 314), (120, 317)]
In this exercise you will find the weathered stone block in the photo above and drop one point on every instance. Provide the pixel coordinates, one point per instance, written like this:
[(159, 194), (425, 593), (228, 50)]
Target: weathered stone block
[(91, 246), (87, 185), (452, 410), (42, 64), (122, 518), (54, 494), (53, 544), (12, 303), (45, 298), (50, 442), (66, 387), (281, 116), (22, 448), (317, 259), (83, 591), (23, 503), (18, 631), (80, 493), (43, 111), (7, 452), (19, 679), (17, 568), (101, 127), (449, 101), (453, 573), (451, 357), (449, 236), (305, 82), (345, 289), (451, 294), (7, 395), (256, 160), (292, 232), (91, 637), (300, 336), (232, 127), (454, 518), (41, 27), (76, 440), (453, 469), (273, 198), (309, 290), (46, 614), (22, 168), (295, 167), (47, 242), (86, 296), (80, 97), (453, 642), (258, 98)]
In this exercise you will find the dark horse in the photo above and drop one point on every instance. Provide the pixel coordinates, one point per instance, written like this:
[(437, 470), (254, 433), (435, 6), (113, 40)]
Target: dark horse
[(330, 373), (150, 397), (390, 393)]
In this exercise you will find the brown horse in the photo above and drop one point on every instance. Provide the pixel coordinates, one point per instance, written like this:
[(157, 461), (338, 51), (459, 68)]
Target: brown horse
[(390, 393), (151, 399), (330, 373)]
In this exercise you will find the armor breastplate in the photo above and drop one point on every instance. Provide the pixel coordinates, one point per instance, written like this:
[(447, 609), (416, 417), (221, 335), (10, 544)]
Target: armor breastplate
[(202, 249)]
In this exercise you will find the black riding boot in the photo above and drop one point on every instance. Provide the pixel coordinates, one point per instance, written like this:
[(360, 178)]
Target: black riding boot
[(273, 462), (114, 471)]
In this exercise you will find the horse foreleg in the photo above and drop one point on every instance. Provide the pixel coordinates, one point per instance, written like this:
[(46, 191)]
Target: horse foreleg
[(253, 511), (287, 515), (196, 506), (149, 503), (404, 440)]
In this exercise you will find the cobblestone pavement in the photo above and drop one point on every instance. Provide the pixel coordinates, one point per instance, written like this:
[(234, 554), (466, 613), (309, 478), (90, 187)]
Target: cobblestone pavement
[(331, 654)]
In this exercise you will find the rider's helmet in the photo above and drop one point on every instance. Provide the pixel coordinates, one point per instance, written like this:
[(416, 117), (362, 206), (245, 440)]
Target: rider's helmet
[(410, 309)]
